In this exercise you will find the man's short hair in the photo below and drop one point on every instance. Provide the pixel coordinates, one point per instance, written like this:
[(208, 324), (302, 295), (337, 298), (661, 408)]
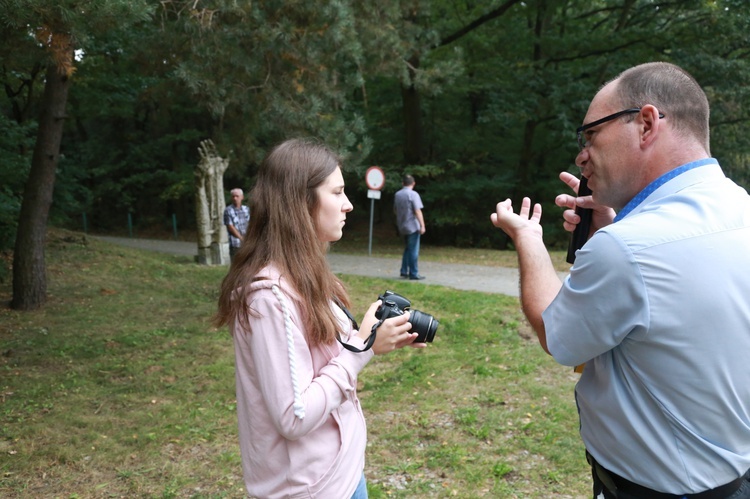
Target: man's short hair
[(408, 180), (673, 91), (236, 190)]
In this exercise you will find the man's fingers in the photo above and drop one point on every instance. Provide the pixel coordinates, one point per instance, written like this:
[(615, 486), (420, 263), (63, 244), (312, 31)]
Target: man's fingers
[(525, 205), (504, 206), (571, 180), (565, 201), (505, 209), (500, 209), (537, 214), (570, 220), (526, 212)]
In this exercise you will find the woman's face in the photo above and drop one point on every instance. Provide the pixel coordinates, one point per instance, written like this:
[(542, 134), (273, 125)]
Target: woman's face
[(333, 205)]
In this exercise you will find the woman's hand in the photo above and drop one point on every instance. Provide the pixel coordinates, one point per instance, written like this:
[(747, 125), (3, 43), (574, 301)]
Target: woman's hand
[(392, 334)]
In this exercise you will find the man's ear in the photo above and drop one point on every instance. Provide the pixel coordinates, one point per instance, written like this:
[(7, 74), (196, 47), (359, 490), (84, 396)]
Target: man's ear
[(650, 124)]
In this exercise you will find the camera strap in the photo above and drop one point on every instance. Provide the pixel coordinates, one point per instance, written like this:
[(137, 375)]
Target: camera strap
[(370, 339)]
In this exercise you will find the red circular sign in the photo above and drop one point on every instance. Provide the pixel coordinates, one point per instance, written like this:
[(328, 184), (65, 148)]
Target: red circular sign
[(375, 178)]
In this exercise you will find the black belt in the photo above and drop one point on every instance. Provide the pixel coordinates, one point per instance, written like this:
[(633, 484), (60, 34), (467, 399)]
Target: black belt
[(613, 483)]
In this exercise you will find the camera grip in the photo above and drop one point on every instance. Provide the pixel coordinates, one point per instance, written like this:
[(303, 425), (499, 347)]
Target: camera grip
[(581, 232)]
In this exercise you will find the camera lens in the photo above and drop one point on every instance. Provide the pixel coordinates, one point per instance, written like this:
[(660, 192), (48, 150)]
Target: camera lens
[(424, 325)]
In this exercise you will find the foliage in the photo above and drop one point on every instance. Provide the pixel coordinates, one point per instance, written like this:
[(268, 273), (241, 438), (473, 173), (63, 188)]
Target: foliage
[(269, 70), (55, 32), (508, 117), (15, 140), (142, 159), (120, 387), (488, 93)]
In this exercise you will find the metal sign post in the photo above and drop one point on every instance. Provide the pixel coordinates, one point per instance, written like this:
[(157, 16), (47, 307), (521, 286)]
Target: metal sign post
[(375, 180)]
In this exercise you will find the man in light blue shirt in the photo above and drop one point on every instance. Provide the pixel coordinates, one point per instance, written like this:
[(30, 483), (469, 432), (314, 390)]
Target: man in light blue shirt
[(408, 207), (657, 304)]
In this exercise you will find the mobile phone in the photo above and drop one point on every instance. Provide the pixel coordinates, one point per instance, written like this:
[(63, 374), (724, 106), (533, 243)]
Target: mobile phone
[(581, 232)]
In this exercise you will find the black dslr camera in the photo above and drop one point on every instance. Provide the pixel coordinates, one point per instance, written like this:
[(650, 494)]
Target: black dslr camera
[(394, 305)]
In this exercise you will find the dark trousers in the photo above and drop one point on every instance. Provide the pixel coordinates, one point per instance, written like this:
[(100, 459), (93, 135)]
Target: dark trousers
[(611, 486)]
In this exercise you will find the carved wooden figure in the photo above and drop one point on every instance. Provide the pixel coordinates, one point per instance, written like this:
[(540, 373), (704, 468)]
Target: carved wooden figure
[(213, 242)]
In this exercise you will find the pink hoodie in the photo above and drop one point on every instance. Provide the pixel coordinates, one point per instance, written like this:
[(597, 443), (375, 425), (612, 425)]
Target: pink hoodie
[(301, 428)]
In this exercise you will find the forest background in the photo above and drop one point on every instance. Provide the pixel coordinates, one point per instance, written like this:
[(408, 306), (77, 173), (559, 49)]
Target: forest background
[(106, 102)]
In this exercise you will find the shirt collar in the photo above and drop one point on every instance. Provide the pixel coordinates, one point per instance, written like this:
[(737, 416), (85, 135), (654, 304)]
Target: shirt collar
[(650, 188)]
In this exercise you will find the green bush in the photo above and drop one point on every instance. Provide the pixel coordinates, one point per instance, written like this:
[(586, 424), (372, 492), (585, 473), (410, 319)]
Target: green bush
[(16, 146)]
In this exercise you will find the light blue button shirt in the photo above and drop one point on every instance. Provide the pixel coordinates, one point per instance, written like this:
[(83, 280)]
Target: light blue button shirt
[(658, 306), (406, 201)]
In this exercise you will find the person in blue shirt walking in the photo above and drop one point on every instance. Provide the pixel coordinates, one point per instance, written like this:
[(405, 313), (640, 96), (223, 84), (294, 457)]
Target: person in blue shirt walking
[(657, 303), (408, 207), (236, 218)]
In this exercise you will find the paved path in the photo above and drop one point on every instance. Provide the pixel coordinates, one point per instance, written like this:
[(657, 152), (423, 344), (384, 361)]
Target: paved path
[(460, 276)]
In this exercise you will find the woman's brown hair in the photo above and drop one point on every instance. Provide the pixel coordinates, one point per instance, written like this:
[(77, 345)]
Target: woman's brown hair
[(283, 208)]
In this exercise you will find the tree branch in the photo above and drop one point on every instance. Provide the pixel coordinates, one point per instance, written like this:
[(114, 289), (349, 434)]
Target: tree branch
[(478, 22)]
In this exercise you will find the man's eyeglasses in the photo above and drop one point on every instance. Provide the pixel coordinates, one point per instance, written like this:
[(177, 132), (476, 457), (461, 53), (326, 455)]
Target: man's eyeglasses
[(582, 137)]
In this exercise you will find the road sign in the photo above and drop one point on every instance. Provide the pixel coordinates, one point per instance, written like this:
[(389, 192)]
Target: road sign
[(375, 178)]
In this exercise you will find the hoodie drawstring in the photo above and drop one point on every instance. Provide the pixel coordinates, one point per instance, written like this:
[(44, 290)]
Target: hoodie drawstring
[(299, 408)]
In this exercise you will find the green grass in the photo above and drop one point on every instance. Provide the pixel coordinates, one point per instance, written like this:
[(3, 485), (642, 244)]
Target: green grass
[(119, 387), (385, 243)]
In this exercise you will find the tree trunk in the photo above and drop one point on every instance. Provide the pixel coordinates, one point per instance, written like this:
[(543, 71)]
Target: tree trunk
[(29, 269), (524, 174), (413, 134)]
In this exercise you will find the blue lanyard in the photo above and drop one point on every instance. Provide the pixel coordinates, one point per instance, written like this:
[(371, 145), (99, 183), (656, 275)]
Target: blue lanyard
[(650, 188)]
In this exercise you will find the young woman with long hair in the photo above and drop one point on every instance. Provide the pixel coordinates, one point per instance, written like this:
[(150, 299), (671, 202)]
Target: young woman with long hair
[(301, 427)]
